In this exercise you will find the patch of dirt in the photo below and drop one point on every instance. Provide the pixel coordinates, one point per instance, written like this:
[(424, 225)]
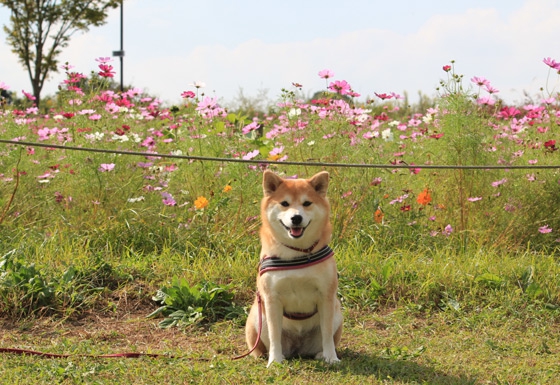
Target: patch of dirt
[(118, 333)]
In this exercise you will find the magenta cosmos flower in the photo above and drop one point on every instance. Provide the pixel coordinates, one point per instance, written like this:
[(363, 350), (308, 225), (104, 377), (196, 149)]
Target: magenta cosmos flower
[(106, 71), (551, 63), (340, 87)]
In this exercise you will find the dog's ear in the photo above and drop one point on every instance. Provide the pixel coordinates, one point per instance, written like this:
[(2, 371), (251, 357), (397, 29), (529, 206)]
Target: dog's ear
[(320, 182), (271, 181)]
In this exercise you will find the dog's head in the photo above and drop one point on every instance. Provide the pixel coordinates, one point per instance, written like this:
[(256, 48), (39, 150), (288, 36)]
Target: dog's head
[(296, 211)]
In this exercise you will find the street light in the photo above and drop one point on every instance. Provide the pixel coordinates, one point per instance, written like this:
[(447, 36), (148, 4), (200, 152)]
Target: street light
[(120, 53)]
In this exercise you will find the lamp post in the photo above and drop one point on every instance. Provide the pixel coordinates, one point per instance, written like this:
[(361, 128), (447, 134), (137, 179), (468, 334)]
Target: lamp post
[(120, 53)]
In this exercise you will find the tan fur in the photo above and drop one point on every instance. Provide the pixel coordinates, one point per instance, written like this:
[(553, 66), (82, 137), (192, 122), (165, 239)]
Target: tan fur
[(302, 291)]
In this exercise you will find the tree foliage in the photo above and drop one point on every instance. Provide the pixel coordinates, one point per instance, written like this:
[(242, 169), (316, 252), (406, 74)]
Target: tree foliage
[(39, 29)]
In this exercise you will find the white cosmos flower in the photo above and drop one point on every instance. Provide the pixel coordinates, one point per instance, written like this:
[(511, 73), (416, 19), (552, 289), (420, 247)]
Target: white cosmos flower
[(294, 112), (198, 84), (387, 135)]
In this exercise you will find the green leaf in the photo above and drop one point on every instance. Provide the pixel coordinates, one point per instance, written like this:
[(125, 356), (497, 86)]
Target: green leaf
[(490, 279)]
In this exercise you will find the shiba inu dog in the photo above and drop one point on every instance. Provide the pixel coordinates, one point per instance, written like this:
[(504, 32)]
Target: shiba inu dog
[(296, 310)]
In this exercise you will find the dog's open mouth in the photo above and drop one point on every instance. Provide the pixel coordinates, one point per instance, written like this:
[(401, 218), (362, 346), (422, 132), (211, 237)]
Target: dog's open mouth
[(294, 231)]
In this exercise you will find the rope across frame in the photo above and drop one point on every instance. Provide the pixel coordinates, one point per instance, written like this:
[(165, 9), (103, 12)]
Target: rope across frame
[(285, 163)]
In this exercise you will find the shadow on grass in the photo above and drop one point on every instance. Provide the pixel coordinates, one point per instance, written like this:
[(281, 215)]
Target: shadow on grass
[(359, 364)]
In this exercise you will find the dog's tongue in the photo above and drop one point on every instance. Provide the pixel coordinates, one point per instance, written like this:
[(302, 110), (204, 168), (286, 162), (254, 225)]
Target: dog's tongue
[(296, 231)]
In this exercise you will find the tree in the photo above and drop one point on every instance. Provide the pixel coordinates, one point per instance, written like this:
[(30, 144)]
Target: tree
[(41, 28)]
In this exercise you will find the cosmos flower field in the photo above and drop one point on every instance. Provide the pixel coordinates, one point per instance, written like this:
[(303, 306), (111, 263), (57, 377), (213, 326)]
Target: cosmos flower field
[(399, 192)]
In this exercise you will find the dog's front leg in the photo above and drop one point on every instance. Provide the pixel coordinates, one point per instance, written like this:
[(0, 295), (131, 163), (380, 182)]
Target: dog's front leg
[(327, 313), (274, 314)]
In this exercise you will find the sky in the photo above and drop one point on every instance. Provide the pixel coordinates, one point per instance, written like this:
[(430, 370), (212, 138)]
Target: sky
[(259, 46)]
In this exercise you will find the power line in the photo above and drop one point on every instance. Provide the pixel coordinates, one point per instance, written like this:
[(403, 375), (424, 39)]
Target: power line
[(291, 163)]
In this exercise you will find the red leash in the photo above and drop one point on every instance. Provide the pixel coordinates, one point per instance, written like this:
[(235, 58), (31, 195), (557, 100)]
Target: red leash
[(55, 355), (259, 330)]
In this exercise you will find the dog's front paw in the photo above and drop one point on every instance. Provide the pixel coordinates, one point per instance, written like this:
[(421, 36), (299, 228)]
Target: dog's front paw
[(272, 359), (328, 358)]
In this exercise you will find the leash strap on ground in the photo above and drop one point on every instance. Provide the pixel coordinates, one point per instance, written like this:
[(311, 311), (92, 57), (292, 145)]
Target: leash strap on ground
[(259, 331), (28, 352)]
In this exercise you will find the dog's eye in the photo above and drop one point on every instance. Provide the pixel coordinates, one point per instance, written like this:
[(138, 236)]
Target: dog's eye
[(284, 203), (306, 204)]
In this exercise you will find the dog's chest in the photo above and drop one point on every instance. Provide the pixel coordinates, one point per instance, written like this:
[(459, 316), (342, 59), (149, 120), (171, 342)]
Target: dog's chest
[(296, 292)]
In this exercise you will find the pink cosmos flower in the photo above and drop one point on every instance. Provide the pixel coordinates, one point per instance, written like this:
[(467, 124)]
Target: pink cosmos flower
[(400, 199), (28, 95), (499, 182), (490, 89), (250, 127), (446, 68), (103, 60), (447, 230), (551, 63), (340, 87), (326, 74), (277, 150), (367, 135), (251, 155), (207, 103), (545, 229), (480, 81), (188, 95), (106, 167), (111, 108), (485, 100), (508, 112), (66, 66), (168, 199), (415, 170), (106, 71), (474, 199), (509, 208), (45, 132), (383, 96), (376, 181), (4, 86)]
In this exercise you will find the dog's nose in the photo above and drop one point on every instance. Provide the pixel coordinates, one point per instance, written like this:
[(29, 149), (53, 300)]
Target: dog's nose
[(296, 219)]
